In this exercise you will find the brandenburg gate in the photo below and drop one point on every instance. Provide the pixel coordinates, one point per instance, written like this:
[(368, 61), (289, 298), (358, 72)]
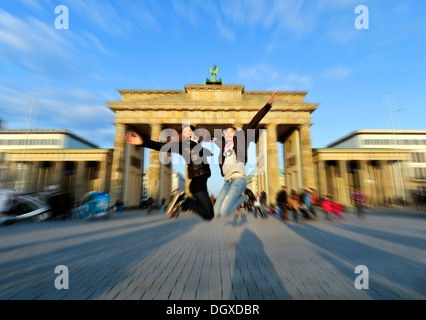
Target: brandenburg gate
[(211, 106)]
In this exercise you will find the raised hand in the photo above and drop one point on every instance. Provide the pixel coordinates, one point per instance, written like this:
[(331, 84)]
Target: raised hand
[(135, 140), (272, 98)]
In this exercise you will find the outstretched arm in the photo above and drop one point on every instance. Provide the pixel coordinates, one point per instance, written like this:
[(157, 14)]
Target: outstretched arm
[(137, 140), (260, 114)]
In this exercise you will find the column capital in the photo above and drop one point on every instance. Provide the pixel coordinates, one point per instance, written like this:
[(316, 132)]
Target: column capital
[(271, 125), (304, 125), (156, 129), (156, 125)]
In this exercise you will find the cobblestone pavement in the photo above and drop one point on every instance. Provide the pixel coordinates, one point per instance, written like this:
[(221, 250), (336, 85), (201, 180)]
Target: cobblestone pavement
[(135, 256)]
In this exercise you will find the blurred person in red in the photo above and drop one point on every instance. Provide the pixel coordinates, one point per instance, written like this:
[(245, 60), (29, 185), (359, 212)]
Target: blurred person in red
[(359, 200)]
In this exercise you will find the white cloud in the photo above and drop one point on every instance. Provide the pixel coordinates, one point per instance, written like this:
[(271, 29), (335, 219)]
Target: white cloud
[(265, 76), (295, 16), (260, 72), (336, 74), (12, 40), (35, 46), (225, 32), (102, 15), (336, 4)]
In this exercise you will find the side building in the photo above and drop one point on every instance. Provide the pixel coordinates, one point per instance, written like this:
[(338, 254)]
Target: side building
[(389, 166), (39, 160)]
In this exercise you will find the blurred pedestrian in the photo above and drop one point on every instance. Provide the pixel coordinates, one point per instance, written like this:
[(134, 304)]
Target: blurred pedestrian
[(263, 200), (294, 204), (327, 206), (359, 200), (336, 209), (282, 202), (149, 204), (313, 203), (119, 205), (304, 203), (258, 208)]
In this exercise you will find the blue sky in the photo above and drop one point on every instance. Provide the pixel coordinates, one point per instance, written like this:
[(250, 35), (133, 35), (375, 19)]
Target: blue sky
[(262, 44)]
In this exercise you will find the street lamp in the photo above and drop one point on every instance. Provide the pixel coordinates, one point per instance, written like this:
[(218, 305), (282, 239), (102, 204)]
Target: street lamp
[(26, 142), (396, 149)]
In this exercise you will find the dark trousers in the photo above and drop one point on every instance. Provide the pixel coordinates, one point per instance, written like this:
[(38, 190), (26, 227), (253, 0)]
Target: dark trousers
[(200, 201), (283, 208), (359, 209), (295, 213)]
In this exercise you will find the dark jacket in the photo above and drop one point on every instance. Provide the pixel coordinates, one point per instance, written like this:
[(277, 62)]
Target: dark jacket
[(241, 136), (196, 161), (282, 197)]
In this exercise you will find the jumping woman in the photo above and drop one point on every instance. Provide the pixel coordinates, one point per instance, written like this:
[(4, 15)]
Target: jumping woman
[(232, 162), (198, 172)]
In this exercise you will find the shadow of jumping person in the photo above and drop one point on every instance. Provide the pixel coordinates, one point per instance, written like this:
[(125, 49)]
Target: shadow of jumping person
[(238, 220), (386, 279), (255, 276)]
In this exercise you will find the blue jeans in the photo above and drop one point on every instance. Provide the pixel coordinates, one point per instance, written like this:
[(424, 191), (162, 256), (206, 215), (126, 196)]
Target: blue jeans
[(230, 197)]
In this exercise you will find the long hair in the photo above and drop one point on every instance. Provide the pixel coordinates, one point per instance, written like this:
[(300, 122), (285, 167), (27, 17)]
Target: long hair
[(180, 130)]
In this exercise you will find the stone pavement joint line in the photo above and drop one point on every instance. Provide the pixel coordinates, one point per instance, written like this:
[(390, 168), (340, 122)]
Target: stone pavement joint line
[(135, 255)]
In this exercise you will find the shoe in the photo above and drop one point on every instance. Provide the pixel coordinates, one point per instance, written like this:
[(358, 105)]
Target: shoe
[(173, 201), (175, 211), (174, 214)]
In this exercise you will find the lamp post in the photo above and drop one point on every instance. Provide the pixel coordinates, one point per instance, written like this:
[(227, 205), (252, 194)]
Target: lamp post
[(396, 149), (26, 142)]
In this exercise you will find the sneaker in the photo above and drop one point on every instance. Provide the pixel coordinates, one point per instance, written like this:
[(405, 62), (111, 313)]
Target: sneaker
[(175, 211), (173, 201), (174, 214)]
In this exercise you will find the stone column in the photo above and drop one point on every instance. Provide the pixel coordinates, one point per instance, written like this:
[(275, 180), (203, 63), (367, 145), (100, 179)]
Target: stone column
[(117, 169), (273, 170), (363, 176), (405, 180), (373, 177), (334, 185), (381, 184), (322, 176), (31, 181), (57, 173), (103, 175), (387, 180), (13, 175), (386, 184), (80, 179), (154, 181), (306, 156), (392, 180), (346, 192)]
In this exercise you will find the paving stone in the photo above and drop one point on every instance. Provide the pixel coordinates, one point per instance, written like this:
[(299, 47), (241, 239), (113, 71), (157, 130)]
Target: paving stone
[(135, 256)]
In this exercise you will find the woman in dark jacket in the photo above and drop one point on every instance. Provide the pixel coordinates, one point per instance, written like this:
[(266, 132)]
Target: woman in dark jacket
[(232, 160), (198, 171)]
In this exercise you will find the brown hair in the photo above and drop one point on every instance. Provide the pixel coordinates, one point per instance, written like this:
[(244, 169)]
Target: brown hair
[(180, 130), (230, 127)]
